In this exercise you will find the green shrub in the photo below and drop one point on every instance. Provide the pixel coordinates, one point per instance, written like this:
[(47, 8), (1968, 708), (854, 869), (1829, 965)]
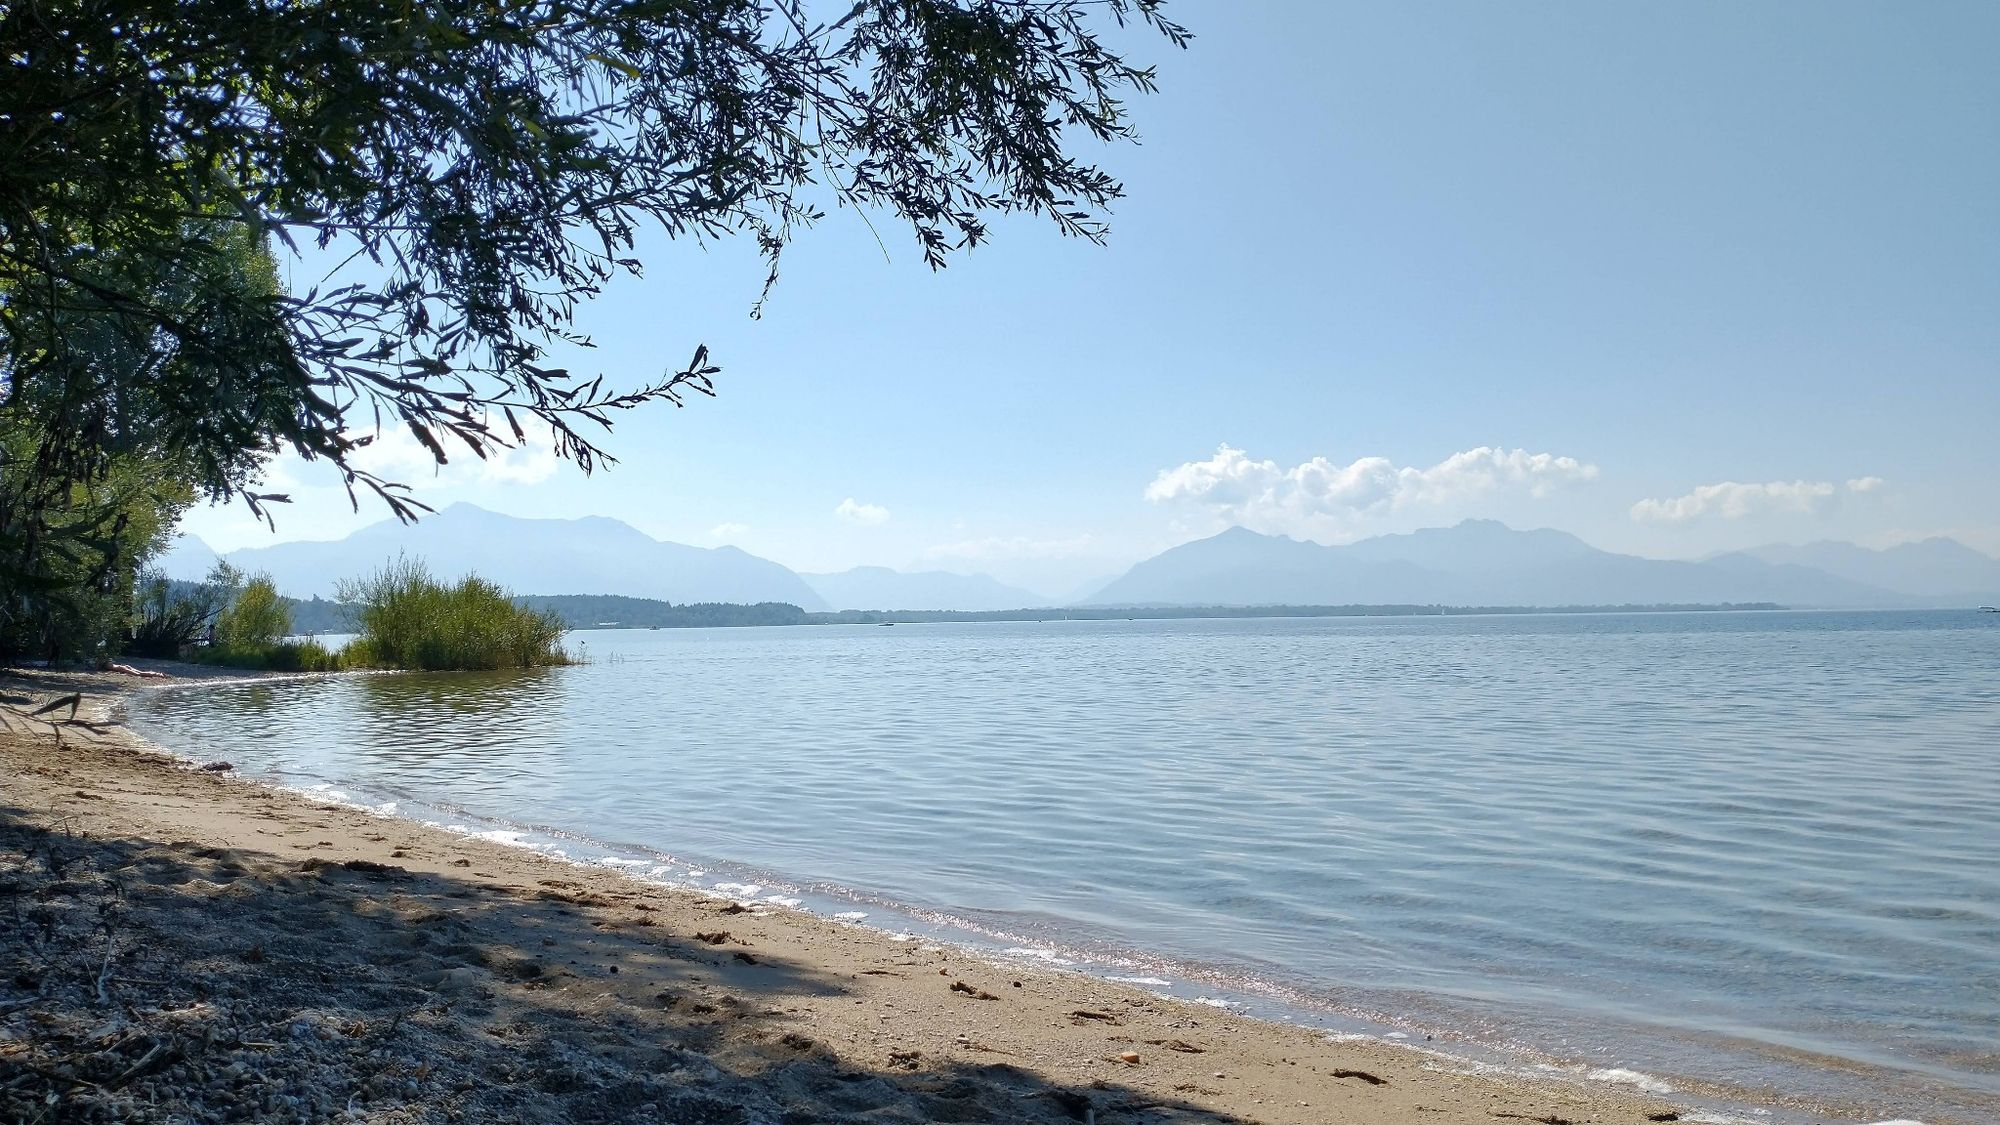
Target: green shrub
[(257, 618), (171, 619), (292, 656), (303, 656), (408, 619)]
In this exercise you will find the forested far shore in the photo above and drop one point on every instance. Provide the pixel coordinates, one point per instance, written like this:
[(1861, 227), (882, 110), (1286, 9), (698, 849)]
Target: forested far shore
[(593, 611), (1178, 613), (615, 611), (606, 611), (404, 617)]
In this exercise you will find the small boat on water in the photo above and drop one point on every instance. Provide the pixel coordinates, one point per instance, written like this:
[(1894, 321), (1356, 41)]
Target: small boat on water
[(1989, 609)]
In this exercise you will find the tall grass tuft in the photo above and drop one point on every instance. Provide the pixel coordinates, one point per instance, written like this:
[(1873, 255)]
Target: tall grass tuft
[(283, 656), (408, 619), (256, 618), (251, 626)]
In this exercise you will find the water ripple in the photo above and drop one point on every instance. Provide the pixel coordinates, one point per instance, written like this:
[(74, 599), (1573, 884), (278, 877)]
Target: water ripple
[(1754, 848)]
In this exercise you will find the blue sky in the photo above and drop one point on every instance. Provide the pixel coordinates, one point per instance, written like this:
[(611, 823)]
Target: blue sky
[(1381, 267)]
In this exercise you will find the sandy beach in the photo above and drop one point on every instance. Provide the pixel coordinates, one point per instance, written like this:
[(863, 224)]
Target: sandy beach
[(180, 944)]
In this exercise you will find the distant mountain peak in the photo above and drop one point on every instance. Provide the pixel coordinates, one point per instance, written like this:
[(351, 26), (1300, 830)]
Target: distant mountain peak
[(1476, 544), (881, 587), (187, 558), (546, 556), (1938, 568), (1475, 562)]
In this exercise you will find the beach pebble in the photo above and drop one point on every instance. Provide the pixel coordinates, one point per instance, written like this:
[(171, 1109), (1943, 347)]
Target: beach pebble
[(1129, 1057)]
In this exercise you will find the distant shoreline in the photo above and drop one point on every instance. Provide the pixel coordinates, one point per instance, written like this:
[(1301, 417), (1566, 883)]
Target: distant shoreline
[(1232, 613), (585, 611), (318, 616)]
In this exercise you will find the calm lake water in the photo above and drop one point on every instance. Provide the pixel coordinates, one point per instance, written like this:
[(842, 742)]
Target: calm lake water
[(1754, 852)]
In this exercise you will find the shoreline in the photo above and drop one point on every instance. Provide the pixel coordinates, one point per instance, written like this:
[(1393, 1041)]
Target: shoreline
[(1157, 975), (861, 1006)]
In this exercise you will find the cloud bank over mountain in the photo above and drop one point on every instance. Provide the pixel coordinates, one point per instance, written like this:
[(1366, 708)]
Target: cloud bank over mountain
[(1232, 486), (1476, 562), (1731, 500), (868, 515)]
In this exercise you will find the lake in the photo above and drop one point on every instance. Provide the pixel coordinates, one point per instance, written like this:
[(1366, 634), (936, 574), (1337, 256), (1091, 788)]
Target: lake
[(1751, 855)]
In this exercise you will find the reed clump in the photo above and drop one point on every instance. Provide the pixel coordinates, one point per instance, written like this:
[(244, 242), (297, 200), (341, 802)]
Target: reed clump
[(281, 656), (250, 627), (408, 619)]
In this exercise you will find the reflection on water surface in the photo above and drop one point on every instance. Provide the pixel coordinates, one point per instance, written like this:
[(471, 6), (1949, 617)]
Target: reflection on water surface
[(1714, 844)]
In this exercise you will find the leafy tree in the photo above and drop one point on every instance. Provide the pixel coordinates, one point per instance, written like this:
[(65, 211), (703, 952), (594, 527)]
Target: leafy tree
[(256, 619), (173, 615), (108, 432), (70, 550), (488, 164)]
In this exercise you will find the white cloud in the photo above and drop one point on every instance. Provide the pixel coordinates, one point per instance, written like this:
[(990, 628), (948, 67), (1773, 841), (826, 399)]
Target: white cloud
[(1012, 547), (868, 515), (727, 531), (531, 462), (1233, 486), (1732, 500), (397, 455)]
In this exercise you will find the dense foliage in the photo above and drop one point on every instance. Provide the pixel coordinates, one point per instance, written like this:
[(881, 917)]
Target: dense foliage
[(70, 550), (252, 631), (462, 174), (106, 428), (409, 619), (487, 165), (283, 656), (258, 616), (174, 615)]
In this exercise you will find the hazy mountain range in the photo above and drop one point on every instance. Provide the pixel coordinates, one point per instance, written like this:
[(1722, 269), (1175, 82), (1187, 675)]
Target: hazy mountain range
[(1931, 568), (1480, 562), (1477, 562), (878, 587), (592, 555)]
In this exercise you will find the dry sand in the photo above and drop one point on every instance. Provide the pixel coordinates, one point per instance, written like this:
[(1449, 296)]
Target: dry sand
[(181, 945)]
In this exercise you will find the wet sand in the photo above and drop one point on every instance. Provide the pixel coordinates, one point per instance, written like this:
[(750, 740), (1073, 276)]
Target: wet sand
[(182, 944)]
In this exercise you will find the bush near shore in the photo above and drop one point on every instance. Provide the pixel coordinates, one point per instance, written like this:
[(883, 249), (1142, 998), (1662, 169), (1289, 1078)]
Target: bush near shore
[(250, 628), (281, 656), (408, 619)]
